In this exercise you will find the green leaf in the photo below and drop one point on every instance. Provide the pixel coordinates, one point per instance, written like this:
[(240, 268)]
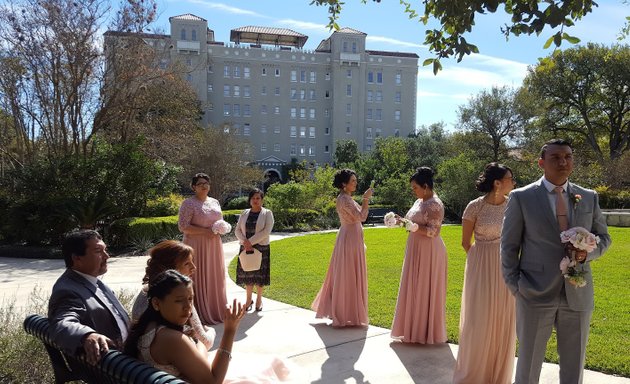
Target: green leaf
[(548, 42), (427, 62), (570, 39), (437, 66)]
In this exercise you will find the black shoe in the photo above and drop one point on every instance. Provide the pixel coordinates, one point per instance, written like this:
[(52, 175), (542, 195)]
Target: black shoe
[(249, 307), (258, 309)]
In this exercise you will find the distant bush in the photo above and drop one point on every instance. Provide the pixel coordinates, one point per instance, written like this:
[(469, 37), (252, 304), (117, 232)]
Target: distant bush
[(163, 206), (238, 203), (142, 231), (613, 198)]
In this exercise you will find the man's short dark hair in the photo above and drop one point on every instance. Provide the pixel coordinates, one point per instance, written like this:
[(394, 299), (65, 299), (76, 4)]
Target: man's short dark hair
[(543, 150), (75, 243)]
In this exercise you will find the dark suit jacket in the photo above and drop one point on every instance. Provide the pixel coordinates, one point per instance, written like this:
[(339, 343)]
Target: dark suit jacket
[(531, 249), (75, 310)]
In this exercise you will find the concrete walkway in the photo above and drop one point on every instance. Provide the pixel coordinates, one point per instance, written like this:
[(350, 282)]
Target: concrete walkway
[(323, 354)]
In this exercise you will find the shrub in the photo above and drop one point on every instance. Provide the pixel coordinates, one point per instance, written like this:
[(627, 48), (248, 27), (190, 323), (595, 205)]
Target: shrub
[(163, 206), (613, 199), (142, 231), (238, 203), (294, 219)]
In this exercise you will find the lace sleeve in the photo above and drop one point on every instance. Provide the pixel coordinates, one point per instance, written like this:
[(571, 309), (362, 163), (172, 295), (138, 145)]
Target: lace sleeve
[(351, 209), (471, 211), (186, 211), (435, 215), (203, 335)]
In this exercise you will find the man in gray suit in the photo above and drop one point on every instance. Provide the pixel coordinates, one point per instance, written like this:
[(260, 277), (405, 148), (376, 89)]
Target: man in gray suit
[(85, 315), (531, 252)]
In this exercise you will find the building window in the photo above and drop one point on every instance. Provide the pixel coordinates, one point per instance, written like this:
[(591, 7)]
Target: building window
[(210, 69), (349, 73), (293, 131), (327, 75), (226, 109), (263, 90), (348, 128), (264, 71), (276, 147), (302, 150), (189, 62), (345, 46), (246, 110), (263, 128), (226, 91), (311, 132), (326, 150), (379, 96), (379, 77), (348, 90), (326, 112), (327, 131), (302, 113), (379, 115), (302, 76), (327, 95), (237, 71), (293, 76), (368, 114), (313, 76), (276, 110), (302, 132), (276, 129), (293, 112), (277, 91), (182, 34), (370, 96), (368, 147), (348, 109), (263, 109), (354, 47), (210, 107), (293, 94), (396, 132), (397, 97), (378, 132), (226, 71), (302, 94), (277, 72), (237, 91), (193, 34), (368, 133), (398, 78), (263, 147), (293, 149), (311, 150), (246, 129), (246, 91), (311, 114), (237, 129), (246, 73), (370, 77), (397, 115), (311, 94), (210, 88), (236, 110)]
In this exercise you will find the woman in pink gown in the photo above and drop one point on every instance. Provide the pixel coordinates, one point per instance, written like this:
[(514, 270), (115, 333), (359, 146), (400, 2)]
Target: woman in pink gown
[(420, 315), (343, 296), (197, 215), (487, 322)]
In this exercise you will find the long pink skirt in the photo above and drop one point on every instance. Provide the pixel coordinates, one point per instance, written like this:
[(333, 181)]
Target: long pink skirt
[(343, 296), (209, 278), (420, 315), (487, 323)]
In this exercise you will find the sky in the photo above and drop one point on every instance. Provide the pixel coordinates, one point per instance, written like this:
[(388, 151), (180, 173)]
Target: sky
[(499, 62)]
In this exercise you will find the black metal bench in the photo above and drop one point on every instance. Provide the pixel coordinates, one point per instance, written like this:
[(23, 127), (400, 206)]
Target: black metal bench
[(114, 367), (376, 215)]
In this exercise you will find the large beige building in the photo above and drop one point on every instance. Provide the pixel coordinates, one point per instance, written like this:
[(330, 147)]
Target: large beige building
[(290, 102)]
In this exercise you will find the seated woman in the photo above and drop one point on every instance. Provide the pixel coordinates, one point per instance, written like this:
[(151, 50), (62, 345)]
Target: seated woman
[(158, 336), (172, 254)]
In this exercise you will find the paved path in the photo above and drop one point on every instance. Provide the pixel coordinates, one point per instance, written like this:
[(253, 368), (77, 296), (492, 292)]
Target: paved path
[(323, 354)]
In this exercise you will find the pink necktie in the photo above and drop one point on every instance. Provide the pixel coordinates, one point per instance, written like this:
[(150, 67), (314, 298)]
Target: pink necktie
[(561, 210)]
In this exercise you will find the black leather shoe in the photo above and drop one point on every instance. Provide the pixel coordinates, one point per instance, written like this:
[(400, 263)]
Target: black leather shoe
[(249, 307), (258, 309)]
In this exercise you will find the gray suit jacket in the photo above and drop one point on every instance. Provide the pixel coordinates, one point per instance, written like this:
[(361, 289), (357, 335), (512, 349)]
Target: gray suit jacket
[(75, 310), (531, 249)]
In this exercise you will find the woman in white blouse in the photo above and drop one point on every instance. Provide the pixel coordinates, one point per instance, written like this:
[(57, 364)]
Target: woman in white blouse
[(252, 230)]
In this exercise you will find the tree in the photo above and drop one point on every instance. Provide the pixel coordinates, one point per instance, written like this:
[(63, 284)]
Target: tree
[(457, 17), (427, 146), (346, 153), (497, 116), (585, 92), (456, 182)]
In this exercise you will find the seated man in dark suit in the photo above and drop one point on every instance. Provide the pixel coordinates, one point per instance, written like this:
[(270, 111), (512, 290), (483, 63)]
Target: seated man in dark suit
[(85, 315)]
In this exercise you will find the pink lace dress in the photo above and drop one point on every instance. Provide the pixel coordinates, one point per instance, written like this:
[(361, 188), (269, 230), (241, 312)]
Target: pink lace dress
[(487, 322), (420, 315), (343, 296), (210, 294)]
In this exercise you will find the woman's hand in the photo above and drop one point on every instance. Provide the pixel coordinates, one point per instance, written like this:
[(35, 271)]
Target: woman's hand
[(233, 316), (248, 245), (368, 194)]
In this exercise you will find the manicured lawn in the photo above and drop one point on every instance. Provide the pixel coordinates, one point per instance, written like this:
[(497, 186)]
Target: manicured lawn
[(298, 266)]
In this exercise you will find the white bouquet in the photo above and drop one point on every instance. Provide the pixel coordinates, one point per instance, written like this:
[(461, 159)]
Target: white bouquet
[(576, 238), (221, 227), (391, 220)]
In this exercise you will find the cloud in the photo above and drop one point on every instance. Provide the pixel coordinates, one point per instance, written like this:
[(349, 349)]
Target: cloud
[(302, 26), (389, 40), (225, 8)]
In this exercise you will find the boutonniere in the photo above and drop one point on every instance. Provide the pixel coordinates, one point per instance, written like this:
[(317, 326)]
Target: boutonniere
[(575, 199)]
